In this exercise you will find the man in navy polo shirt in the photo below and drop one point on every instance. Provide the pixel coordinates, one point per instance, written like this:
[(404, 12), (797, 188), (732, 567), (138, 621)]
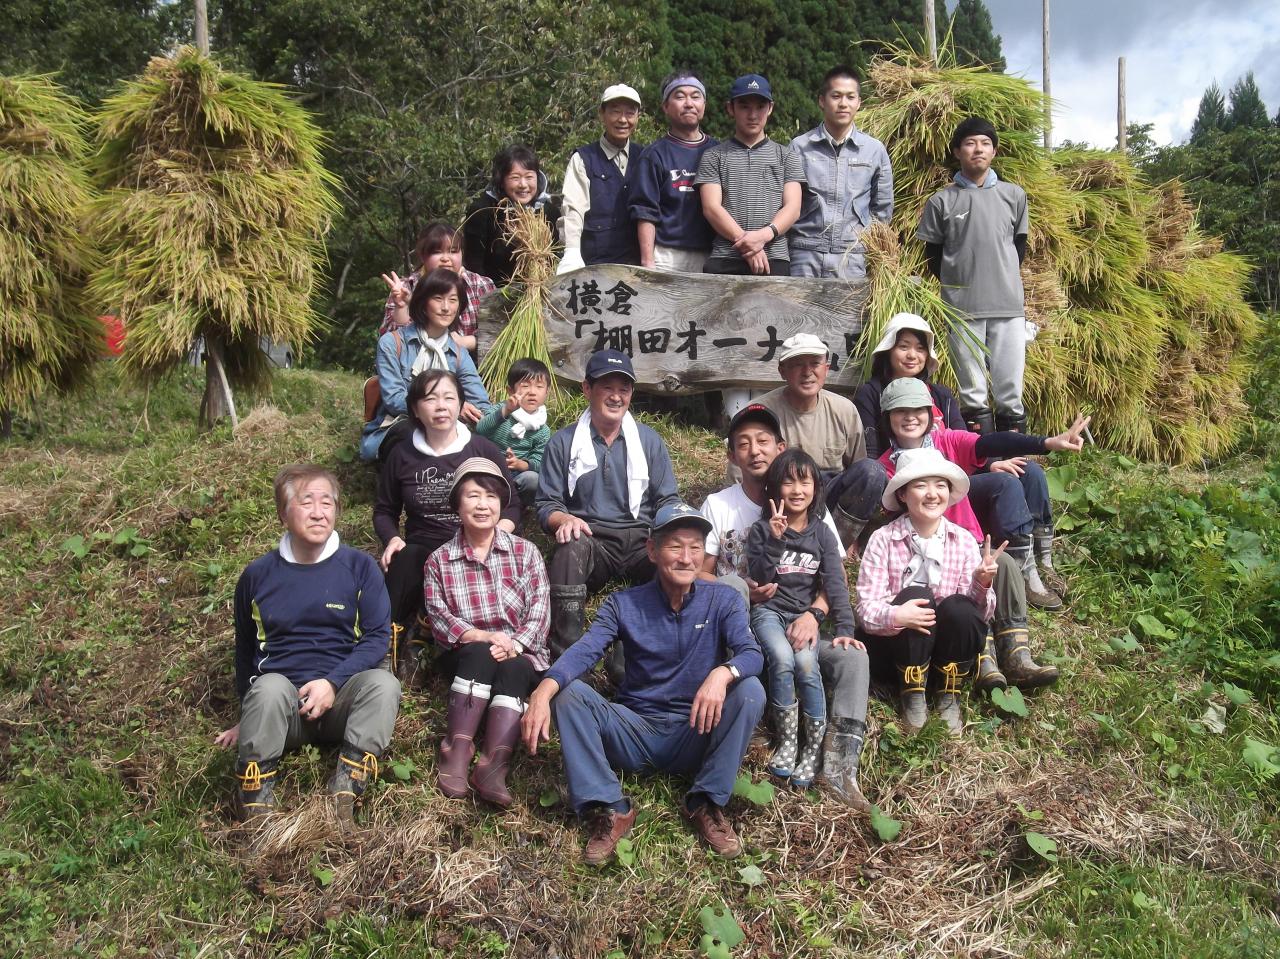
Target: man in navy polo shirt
[(688, 703), (596, 226)]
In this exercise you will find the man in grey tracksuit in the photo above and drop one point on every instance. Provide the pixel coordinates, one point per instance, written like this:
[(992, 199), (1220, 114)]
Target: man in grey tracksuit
[(849, 184), (975, 236)]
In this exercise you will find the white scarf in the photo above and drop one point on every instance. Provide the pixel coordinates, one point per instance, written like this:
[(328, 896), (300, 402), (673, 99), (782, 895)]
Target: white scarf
[(432, 356), (925, 567), (286, 548), (582, 459), (526, 423), (422, 446)]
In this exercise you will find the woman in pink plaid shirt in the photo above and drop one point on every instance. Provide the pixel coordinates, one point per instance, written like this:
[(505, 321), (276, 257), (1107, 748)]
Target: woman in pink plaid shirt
[(489, 606), (924, 588)]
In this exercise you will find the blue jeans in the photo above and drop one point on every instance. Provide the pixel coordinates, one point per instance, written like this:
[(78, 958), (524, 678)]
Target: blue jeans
[(791, 673), (597, 737), (1010, 505)]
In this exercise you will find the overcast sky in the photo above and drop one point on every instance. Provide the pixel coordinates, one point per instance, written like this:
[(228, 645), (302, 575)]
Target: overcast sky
[(1173, 49)]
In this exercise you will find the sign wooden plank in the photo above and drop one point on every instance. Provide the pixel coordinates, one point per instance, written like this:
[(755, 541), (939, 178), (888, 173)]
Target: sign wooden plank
[(692, 332)]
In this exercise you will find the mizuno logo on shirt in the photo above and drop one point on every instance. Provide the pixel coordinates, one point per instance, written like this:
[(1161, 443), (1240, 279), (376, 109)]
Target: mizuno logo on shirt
[(960, 216), (334, 606)]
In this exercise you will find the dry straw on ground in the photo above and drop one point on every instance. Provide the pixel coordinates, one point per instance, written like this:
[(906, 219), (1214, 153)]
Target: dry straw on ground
[(1142, 319)]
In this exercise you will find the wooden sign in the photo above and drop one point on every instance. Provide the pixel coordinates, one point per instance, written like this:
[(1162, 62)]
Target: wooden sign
[(692, 332)]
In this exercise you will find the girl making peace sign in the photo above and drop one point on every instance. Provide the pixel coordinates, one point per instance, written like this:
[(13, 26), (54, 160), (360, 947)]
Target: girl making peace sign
[(792, 546)]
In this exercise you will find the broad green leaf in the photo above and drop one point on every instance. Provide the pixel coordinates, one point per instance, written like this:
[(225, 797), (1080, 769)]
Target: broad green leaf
[(1042, 846), (1061, 478), (1153, 627), (760, 793), (1010, 700), (1143, 901), (1033, 814), (626, 852), (886, 827), (1127, 643), (1236, 694), (126, 535), (322, 876), (404, 769), (722, 932), (750, 875), (76, 546), (140, 549), (548, 798), (1261, 757)]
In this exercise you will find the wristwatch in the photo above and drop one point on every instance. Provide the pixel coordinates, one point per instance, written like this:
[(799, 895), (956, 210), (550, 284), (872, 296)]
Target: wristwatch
[(817, 614), (775, 231), (733, 671)]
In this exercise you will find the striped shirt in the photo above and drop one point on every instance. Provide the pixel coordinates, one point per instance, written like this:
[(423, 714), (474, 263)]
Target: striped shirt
[(751, 180)]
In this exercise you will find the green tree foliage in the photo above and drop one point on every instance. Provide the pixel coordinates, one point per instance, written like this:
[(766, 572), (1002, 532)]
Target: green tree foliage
[(90, 43), (1212, 114), (214, 207), (1232, 171), (1247, 108), (48, 334), (974, 37), (416, 100)]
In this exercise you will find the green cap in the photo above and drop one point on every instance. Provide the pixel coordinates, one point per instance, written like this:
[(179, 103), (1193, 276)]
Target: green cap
[(905, 393)]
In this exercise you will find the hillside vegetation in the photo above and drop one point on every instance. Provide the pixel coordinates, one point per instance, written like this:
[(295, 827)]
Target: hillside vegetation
[(1131, 812)]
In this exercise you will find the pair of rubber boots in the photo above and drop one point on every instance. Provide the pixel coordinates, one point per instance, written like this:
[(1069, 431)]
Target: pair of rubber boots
[(912, 704), (469, 703), (1006, 661), (355, 770)]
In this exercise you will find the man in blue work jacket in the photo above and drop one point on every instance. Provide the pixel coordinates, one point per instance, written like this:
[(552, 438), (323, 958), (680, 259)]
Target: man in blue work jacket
[(687, 704)]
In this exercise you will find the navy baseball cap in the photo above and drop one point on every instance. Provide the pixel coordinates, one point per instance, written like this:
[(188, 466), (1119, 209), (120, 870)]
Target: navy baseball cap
[(752, 85), (609, 361), (755, 413), (679, 514)]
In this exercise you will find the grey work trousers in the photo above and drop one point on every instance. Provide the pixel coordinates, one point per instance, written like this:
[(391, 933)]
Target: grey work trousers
[(846, 674), (848, 265), (1005, 339), (362, 716)]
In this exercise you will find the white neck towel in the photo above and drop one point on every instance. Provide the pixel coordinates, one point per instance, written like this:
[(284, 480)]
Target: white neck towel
[(582, 459)]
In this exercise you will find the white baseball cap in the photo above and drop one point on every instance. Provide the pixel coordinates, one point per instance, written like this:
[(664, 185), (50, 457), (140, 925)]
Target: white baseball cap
[(620, 91), (803, 344)]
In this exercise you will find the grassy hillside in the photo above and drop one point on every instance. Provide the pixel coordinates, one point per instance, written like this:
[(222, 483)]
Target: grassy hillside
[(1150, 772)]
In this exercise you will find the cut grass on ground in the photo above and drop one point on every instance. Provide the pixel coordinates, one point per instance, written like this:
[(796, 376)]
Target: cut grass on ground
[(121, 551)]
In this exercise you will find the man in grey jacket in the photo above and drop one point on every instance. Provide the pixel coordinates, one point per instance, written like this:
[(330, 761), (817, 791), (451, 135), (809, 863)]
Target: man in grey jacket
[(849, 183)]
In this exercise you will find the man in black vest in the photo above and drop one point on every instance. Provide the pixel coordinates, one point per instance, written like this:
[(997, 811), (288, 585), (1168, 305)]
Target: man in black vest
[(596, 226)]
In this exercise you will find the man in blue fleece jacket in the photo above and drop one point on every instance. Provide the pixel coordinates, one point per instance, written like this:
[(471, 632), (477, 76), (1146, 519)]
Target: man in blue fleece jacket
[(687, 704), (312, 623)]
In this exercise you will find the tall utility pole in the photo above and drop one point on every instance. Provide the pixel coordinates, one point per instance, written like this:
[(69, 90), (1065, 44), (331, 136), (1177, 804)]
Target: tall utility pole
[(1122, 123), (202, 26), (931, 31), (1048, 110)]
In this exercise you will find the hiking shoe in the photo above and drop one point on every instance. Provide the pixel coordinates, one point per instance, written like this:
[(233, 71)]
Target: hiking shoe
[(607, 827), (709, 821)]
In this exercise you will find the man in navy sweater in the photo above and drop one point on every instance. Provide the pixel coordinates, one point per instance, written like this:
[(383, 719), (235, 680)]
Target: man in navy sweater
[(687, 705), (312, 623), (673, 233)]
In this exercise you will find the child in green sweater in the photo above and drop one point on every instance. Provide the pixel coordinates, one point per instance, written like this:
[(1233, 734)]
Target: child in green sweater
[(519, 425)]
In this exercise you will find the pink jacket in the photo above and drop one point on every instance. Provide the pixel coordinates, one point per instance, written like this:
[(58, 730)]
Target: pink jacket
[(957, 446), (885, 561)]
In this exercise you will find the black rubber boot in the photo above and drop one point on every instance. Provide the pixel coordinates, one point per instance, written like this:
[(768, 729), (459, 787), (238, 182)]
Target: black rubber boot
[(568, 617), (841, 754), (256, 795), (850, 529), (980, 421), (356, 769), (1016, 662), (1006, 423), (989, 675)]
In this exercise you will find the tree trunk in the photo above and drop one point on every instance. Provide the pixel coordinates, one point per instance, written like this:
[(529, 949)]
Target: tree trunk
[(6, 423), (218, 401)]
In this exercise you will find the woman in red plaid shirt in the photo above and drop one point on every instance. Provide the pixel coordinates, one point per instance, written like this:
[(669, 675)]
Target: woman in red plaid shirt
[(489, 606), (924, 588)]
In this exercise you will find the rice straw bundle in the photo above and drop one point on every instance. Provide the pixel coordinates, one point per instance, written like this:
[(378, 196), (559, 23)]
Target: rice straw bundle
[(1142, 319), (212, 222), (524, 335), (48, 335)]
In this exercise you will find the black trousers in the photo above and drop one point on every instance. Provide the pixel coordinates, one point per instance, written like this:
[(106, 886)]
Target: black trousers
[(404, 580), (957, 636), (473, 661), (737, 266), (594, 560)]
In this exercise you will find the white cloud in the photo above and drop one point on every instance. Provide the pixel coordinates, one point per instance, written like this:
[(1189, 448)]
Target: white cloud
[(1171, 55)]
